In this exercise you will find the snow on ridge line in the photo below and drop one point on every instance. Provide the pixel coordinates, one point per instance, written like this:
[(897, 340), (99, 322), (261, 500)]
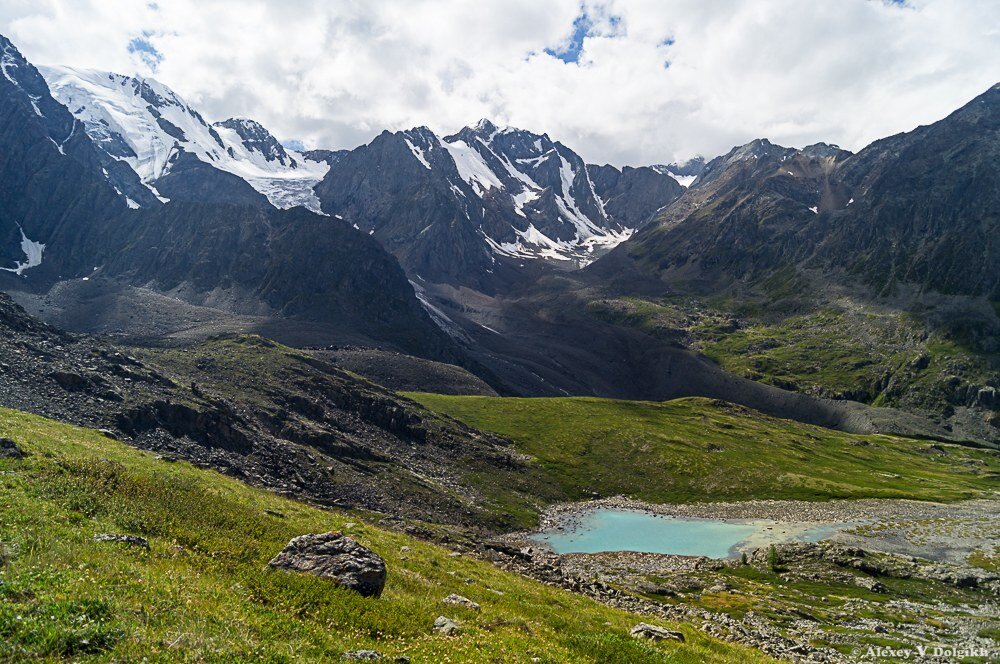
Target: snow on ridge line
[(567, 204), (473, 165), (154, 122)]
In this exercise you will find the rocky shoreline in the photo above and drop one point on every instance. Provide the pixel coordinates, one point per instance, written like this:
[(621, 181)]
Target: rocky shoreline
[(877, 524), (796, 601)]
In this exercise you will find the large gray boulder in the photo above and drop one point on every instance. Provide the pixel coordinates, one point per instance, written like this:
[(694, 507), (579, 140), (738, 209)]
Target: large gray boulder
[(446, 626), (337, 557), (655, 633)]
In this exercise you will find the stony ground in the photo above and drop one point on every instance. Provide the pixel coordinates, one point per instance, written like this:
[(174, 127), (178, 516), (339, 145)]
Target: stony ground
[(913, 574), (268, 415)]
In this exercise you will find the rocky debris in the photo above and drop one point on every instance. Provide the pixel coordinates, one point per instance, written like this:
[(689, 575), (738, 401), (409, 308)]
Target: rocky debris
[(308, 429), (675, 587), (217, 427), (753, 631), (10, 450), (458, 600), (654, 633), (71, 382), (337, 557), (873, 564), (446, 626), (625, 579), (869, 583), (130, 540), (371, 656)]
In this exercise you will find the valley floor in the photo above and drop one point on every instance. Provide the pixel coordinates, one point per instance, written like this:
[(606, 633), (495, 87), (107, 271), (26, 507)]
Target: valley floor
[(861, 587), (200, 592), (943, 532), (827, 602)]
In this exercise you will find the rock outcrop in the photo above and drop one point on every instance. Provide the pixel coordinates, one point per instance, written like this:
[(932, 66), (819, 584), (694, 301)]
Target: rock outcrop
[(337, 557), (446, 626), (654, 633)]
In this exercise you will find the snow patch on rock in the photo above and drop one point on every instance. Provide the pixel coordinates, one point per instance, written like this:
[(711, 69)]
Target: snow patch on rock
[(33, 256)]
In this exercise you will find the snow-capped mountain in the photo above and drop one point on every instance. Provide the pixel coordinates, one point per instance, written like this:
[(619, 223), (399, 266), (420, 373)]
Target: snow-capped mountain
[(146, 125), (53, 180), (449, 207), (463, 207), (548, 185)]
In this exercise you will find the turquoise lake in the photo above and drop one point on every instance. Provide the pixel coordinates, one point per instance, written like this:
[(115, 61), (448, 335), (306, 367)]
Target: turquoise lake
[(606, 529)]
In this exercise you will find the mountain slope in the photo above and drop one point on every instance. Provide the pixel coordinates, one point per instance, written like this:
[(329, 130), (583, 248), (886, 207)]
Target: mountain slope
[(873, 276), (271, 416), (285, 263), (144, 124), (51, 182), (634, 195), (927, 206), (63, 224), (919, 209), (702, 450), (202, 591), (471, 208)]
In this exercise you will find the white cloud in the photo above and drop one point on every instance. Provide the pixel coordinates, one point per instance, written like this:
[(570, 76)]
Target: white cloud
[(334, 74)]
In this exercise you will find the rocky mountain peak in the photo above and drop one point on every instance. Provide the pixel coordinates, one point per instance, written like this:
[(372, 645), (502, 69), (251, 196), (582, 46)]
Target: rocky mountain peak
[(825, 151), (257, 138), (758, 148), (143, 126), (469, 206), (485, 126)]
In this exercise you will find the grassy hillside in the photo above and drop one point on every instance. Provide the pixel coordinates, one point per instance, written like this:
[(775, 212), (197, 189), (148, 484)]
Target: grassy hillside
[(201, 593), (704, 450)]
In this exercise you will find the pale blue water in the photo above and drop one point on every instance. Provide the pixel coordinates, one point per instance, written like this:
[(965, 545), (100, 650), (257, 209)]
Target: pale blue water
[(606, 529)]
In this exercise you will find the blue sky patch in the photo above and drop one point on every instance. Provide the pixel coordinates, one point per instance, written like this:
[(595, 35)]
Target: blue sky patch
[(583, 27), (144, 49), (571, 53)]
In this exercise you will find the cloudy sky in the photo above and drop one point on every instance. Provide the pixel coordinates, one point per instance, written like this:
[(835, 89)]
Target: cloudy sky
[(621, 81)]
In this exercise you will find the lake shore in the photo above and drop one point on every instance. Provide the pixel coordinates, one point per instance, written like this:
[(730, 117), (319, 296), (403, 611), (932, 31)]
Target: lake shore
[(938, 531)]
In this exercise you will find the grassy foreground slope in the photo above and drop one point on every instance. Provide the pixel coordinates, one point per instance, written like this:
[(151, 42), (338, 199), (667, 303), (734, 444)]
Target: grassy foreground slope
[(201, 593), (694, 449)]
